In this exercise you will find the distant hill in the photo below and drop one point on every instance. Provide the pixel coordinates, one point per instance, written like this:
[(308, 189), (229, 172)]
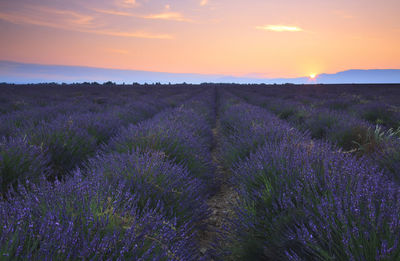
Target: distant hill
[(350, 76), (13, 72), (362, 76)]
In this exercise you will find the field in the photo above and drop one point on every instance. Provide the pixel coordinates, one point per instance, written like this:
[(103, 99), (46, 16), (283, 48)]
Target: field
[(199, 172)]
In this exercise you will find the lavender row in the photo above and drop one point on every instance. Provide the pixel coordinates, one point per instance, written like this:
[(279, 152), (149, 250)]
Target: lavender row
[(17, 122), (376, 104), (242, 129), (166, 161), (376, 111), (166, 158), (139, 204), (16, 99), (56, 147), (348, 132), (21, 98), (87, 218), (183, 134), (364, 105), (300, 199)]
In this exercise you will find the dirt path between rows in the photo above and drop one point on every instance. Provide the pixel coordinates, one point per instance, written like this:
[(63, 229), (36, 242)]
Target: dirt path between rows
[(221, 203)]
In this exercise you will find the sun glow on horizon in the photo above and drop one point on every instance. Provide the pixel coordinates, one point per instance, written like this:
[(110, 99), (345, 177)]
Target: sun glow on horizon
[(313, 76)]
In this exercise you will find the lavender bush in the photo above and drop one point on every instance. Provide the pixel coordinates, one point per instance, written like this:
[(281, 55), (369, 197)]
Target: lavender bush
[(349, 132), (303, 200), (155, 179), (88, 219), (20, 161), (66, 142), (183, 134), (378, 113)]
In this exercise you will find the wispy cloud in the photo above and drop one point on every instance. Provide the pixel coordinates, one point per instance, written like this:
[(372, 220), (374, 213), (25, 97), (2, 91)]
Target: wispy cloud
[(130, 2), (166, 15), (131, 34), (71, 21), (114, 12), (280, 28), (67, 16), (18, 19), (172, 16), (203, 2), (127, 3)]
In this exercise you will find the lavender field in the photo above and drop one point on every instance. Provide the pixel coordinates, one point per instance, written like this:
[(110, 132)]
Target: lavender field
[(199, 172)]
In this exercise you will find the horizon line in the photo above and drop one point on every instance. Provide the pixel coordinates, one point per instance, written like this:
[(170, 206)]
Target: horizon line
[(245, 76)]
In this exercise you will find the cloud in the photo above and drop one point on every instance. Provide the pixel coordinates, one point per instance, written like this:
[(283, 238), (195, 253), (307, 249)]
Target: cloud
[(73, 22), (127, 3), (280, 28), (114, 12), (131, 34), (172, 16), (167, 15), (130, 2), (203, 2), (66, 16), (17, 19)]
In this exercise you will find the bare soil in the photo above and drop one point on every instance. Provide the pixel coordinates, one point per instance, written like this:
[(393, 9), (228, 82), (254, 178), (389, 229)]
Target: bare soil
[(221, 203)]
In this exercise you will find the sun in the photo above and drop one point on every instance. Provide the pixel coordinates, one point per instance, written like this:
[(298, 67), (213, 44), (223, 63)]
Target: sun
[(313, 75)]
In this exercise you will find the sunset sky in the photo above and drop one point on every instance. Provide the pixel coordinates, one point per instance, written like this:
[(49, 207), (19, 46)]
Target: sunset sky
[(254, 38)]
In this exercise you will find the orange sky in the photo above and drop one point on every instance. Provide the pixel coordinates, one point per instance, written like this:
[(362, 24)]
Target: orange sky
[(285, 38)]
